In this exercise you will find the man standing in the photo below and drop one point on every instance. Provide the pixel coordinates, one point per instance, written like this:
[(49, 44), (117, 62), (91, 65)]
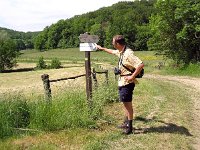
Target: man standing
[(127, 78)]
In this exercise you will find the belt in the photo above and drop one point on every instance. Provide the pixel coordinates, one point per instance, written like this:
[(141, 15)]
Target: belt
[(125, 75)]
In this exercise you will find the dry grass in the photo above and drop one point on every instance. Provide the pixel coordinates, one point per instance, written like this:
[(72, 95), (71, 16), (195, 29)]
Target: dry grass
[(30, 81)]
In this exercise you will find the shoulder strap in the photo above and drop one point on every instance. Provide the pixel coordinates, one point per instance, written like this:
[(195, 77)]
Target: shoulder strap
[(127, 68), (121, 59), (132, 71)]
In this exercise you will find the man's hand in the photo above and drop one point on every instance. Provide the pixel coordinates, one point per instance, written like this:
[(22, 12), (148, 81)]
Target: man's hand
[(99, 47), (129, 78), (110, 51), (136, 72)]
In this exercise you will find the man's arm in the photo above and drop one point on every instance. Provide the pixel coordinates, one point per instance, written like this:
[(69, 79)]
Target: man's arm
[(137, 70), (110, 51), (135, 73)]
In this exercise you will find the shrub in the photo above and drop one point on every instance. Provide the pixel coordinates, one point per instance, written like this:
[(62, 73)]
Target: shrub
[(8, 54), (41, 64), (55, 63)]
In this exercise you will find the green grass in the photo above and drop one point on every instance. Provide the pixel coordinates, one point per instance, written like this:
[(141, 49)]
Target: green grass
[(162, 120), (189, 70), (68, 55), (68, 109), (73, 55)]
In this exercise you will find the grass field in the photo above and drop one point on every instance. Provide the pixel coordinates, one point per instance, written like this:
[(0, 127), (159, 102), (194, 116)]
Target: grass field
[(163, 110), (73, 62), (158, 125), (75, 56)]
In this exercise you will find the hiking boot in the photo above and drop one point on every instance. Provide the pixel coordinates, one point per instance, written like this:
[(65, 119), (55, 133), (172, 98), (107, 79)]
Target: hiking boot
[(129, 129), (124, 125)]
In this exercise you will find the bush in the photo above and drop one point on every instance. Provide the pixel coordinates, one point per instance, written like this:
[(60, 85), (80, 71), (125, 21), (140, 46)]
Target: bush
[(55, 63), (41, 64), (8, 54)]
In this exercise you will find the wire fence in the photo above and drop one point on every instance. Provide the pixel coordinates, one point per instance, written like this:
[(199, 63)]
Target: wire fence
[(47, 82)]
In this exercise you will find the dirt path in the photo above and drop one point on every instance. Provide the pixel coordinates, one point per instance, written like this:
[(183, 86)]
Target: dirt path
[(193, 86)]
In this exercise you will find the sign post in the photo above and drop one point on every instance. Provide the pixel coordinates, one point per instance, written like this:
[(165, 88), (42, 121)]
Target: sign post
[(88, 77), (88, 44)]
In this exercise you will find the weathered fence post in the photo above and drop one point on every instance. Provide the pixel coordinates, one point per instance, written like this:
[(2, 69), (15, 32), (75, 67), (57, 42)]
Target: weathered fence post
[(94, 77), (46, 83), (88, 79)]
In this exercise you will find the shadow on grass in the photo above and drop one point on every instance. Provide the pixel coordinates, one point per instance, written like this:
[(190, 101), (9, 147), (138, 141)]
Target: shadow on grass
[(32, 69), (18, 70), (165, 128)]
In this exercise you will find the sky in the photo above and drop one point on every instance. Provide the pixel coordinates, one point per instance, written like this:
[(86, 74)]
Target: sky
[(35, 15)]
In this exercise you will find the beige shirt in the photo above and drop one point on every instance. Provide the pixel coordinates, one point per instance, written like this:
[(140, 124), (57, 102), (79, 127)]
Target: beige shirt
[(130, 61)]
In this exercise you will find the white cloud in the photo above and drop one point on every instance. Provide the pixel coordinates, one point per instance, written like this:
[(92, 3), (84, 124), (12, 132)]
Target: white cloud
[(34, 15)]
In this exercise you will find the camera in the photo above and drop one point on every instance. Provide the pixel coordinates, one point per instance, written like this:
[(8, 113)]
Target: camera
[(117, 71)]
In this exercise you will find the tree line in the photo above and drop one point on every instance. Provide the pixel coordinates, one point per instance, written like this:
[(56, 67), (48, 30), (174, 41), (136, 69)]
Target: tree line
[(128, 18), (22, 40)]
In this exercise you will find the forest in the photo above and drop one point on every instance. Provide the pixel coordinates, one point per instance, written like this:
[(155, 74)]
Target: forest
[(127, 18)]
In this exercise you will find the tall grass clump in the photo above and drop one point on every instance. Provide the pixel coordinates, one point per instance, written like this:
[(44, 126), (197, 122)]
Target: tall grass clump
[(14, 113), (68, 110), (102, 95)]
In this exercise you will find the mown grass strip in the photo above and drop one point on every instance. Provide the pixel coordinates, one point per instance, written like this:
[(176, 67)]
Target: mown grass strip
[(162, 121)]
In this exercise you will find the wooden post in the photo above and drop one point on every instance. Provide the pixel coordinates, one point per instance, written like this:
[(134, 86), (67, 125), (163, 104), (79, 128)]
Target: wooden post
[(88, 78), (46, 83), (87, 45), (94, 75)]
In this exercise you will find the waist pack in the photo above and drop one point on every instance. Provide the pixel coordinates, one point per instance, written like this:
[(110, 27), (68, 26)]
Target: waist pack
[(140, 75)]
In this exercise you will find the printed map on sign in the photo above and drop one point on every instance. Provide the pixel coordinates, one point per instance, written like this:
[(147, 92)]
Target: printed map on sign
[(86, 38)]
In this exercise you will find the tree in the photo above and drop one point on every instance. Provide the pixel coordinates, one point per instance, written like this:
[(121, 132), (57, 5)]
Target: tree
[(8, 52), (40, 41), (175, 30), (142, 37), (20, 44)]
